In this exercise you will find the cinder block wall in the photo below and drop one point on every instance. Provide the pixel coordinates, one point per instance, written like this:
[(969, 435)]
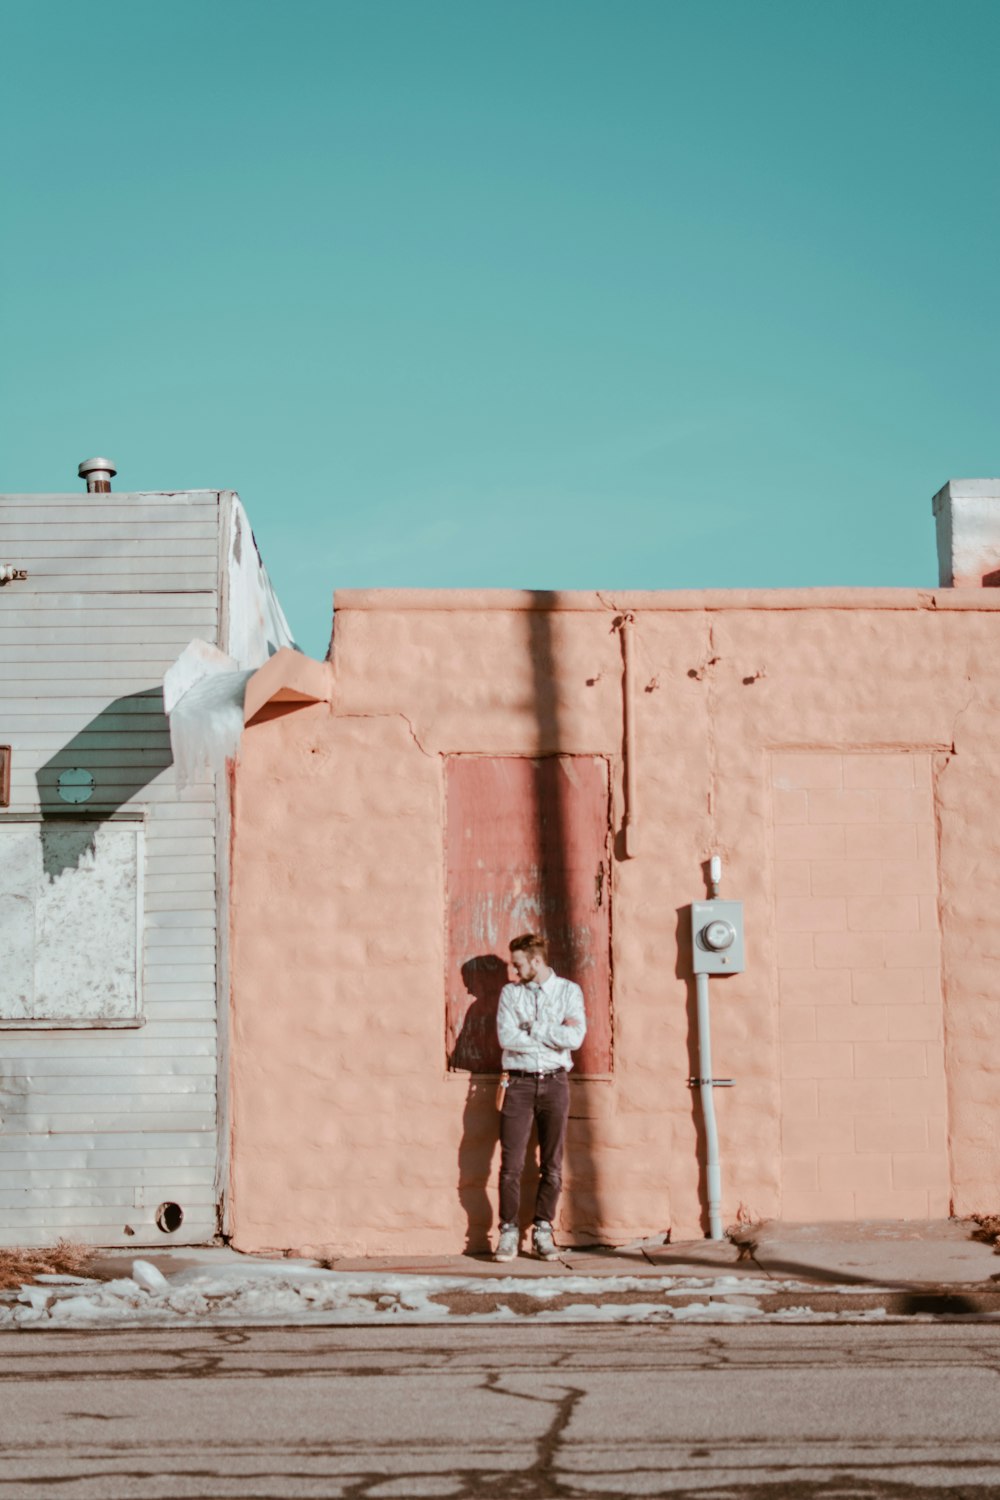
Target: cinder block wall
[(837, 747)]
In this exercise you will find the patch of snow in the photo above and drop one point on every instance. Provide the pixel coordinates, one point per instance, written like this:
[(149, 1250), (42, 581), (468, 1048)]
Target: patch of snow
[(607, 1312), (276, 1292), (122, 1286), (716, 1312), (148, 1276), (51, 1278), (35, 1296)]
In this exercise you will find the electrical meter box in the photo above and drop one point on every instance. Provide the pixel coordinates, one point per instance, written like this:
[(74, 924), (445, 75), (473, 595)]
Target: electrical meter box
[(717, 937)]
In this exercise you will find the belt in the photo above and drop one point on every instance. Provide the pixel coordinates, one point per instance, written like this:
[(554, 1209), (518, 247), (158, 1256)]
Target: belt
[(535, 1073)]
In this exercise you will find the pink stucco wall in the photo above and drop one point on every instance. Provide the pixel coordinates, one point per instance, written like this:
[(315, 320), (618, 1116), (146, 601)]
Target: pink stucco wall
[(348, 1132)]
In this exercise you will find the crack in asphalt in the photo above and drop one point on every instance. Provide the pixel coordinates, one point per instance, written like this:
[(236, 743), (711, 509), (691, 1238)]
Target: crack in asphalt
[(542, 1471), (255, 1357), (829, 1480)]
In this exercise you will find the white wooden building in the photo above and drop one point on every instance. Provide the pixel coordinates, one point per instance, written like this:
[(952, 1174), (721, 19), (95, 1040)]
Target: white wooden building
[(113, 882)]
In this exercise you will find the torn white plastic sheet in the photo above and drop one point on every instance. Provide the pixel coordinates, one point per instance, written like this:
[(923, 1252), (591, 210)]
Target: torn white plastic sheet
[(203, 696), (255, 623)]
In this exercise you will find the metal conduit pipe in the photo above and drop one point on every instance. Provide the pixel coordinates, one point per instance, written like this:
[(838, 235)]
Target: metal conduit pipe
[(706, 1082), (631, 819), (717, 944)]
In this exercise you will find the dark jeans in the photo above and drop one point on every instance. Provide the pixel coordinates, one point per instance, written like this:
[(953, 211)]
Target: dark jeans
[(545, 1102)]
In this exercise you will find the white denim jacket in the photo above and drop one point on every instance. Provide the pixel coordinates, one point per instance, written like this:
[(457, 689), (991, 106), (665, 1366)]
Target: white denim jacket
[(540, 1025)]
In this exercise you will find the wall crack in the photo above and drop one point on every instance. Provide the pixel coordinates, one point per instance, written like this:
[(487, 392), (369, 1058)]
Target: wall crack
[(431, 754), (960, 715)]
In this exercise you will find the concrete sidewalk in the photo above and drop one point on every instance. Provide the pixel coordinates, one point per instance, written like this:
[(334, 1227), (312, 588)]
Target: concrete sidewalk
[(893, 1268), (777, 1272), (883, 1253)]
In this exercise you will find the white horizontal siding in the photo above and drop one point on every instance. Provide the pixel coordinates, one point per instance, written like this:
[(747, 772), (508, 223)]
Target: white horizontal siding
[(170, 610), (84, 506), (107, 1093), (38, 746), (104, 672), (148, 557), (130, 757), (149, 657), (108, 1064), (116, 510), (162, 640), (38, 552), (173, 892), (121, 790), (75, 1175), (161, 899), (185, 1145), (184, 865), (115, 1121), (171, 992), (188, 1006), (108, 582), (93, 1195), (188, 526), (97, 1123), (181, 923), (166, 1040), (192, 972), (125, 1170), (30, 710), (106, 1225)]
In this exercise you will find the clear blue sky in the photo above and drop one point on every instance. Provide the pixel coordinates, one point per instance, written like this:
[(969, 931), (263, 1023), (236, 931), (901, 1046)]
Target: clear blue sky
[(550, 294)]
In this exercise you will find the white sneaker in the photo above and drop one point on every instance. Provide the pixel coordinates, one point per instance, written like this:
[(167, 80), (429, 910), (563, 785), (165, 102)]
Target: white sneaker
[(543, 1244), (509, 1243)]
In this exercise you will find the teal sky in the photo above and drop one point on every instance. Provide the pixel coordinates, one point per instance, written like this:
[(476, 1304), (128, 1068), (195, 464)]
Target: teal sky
[(555, 294)]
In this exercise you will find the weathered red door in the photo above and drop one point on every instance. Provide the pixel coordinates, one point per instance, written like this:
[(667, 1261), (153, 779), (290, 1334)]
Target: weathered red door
[(527, 850)]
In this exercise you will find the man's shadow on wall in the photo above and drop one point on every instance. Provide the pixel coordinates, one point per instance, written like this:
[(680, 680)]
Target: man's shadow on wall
[(477, 1050)]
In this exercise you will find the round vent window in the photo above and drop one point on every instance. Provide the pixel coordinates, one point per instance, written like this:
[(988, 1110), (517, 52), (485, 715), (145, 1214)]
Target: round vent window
[(76, 785)]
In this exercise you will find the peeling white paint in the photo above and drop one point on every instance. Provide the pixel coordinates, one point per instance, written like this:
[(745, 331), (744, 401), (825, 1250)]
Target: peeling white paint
[(69, 921)]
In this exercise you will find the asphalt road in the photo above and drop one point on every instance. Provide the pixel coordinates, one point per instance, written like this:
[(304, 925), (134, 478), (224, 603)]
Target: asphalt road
[(722, 1413)]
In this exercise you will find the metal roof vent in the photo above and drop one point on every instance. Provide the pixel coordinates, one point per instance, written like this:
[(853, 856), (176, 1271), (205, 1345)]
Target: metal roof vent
[(98, 472)]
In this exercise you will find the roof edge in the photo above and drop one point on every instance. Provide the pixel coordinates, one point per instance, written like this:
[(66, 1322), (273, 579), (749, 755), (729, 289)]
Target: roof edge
[(454, 601), (288, 677)]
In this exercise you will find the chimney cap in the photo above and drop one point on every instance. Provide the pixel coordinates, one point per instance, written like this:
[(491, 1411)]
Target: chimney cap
[(96, 465)]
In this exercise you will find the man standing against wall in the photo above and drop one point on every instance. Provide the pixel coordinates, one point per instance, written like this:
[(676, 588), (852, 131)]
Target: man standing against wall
[(540, 1022)]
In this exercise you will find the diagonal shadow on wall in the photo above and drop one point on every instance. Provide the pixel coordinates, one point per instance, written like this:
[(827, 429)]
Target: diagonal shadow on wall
[(123, 748), (581, 1210), (550, 900)]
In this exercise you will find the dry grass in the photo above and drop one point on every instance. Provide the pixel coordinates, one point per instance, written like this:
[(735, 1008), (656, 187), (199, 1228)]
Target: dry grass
[(64, 1259), (987, 1229)]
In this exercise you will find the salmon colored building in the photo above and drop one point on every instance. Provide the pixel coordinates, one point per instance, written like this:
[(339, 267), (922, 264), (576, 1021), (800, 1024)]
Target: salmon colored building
[(468, 765)]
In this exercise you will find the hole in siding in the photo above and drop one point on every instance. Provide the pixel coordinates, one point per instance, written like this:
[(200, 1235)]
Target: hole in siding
[(169, 1217)]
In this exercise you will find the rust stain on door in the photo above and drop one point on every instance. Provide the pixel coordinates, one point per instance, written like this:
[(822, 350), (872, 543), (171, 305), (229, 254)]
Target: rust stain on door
[(527, 849)]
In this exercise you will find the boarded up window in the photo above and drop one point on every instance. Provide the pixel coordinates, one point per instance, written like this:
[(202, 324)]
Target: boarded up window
[(69, 923), (528, 846)]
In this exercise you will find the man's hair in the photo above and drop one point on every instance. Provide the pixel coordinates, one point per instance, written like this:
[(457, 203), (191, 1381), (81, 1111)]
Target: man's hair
[(531, 943)]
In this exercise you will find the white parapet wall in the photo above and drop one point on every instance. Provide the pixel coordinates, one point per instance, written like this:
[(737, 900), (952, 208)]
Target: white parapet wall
[(967, 513)]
